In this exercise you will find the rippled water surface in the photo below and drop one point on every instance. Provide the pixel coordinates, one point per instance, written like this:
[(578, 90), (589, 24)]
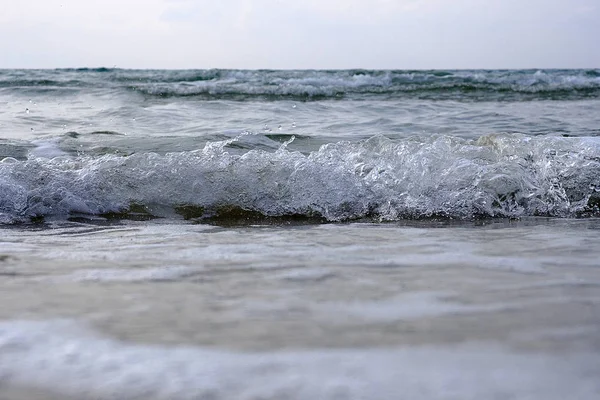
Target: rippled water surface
[(299, 234)]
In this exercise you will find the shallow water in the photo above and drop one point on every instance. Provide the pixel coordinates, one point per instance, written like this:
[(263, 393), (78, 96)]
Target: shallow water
[(282, 314), (299, 234)]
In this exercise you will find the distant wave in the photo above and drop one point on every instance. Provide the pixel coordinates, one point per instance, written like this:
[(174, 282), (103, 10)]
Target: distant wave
[(378, 179), (510, 85)]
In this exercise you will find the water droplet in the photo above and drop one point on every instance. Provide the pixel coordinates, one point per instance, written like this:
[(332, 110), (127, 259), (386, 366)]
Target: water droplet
[(293, 106), (32, 130), (134, 119), (279, 127), (27, 110), (293, 124)]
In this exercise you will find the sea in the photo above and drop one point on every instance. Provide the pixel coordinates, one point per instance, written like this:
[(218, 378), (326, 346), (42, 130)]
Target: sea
[(299, 235)]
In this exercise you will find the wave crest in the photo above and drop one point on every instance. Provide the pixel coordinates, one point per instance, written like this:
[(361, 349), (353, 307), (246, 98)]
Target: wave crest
[(307, 85), (379, 178)]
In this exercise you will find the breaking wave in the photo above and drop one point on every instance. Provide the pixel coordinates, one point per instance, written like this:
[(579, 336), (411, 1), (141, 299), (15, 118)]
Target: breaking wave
[(379, 178), (243, 84)]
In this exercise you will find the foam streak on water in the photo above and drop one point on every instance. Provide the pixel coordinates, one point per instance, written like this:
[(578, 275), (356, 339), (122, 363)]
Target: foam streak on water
[(64, 357)]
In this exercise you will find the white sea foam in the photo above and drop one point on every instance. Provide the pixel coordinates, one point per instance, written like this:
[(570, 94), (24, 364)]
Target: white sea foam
[(46, 148), (66, 358), (406, 307), (158, 274), (504, 175), (305, 275)]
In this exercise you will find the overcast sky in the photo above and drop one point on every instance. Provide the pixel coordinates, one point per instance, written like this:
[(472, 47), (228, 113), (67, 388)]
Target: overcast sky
[(378, 34)]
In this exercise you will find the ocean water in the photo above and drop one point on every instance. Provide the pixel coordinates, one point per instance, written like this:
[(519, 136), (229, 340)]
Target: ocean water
[(228, 234)]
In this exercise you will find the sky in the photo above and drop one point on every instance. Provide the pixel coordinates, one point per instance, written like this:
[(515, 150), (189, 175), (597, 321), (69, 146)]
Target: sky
[(300, 34)]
